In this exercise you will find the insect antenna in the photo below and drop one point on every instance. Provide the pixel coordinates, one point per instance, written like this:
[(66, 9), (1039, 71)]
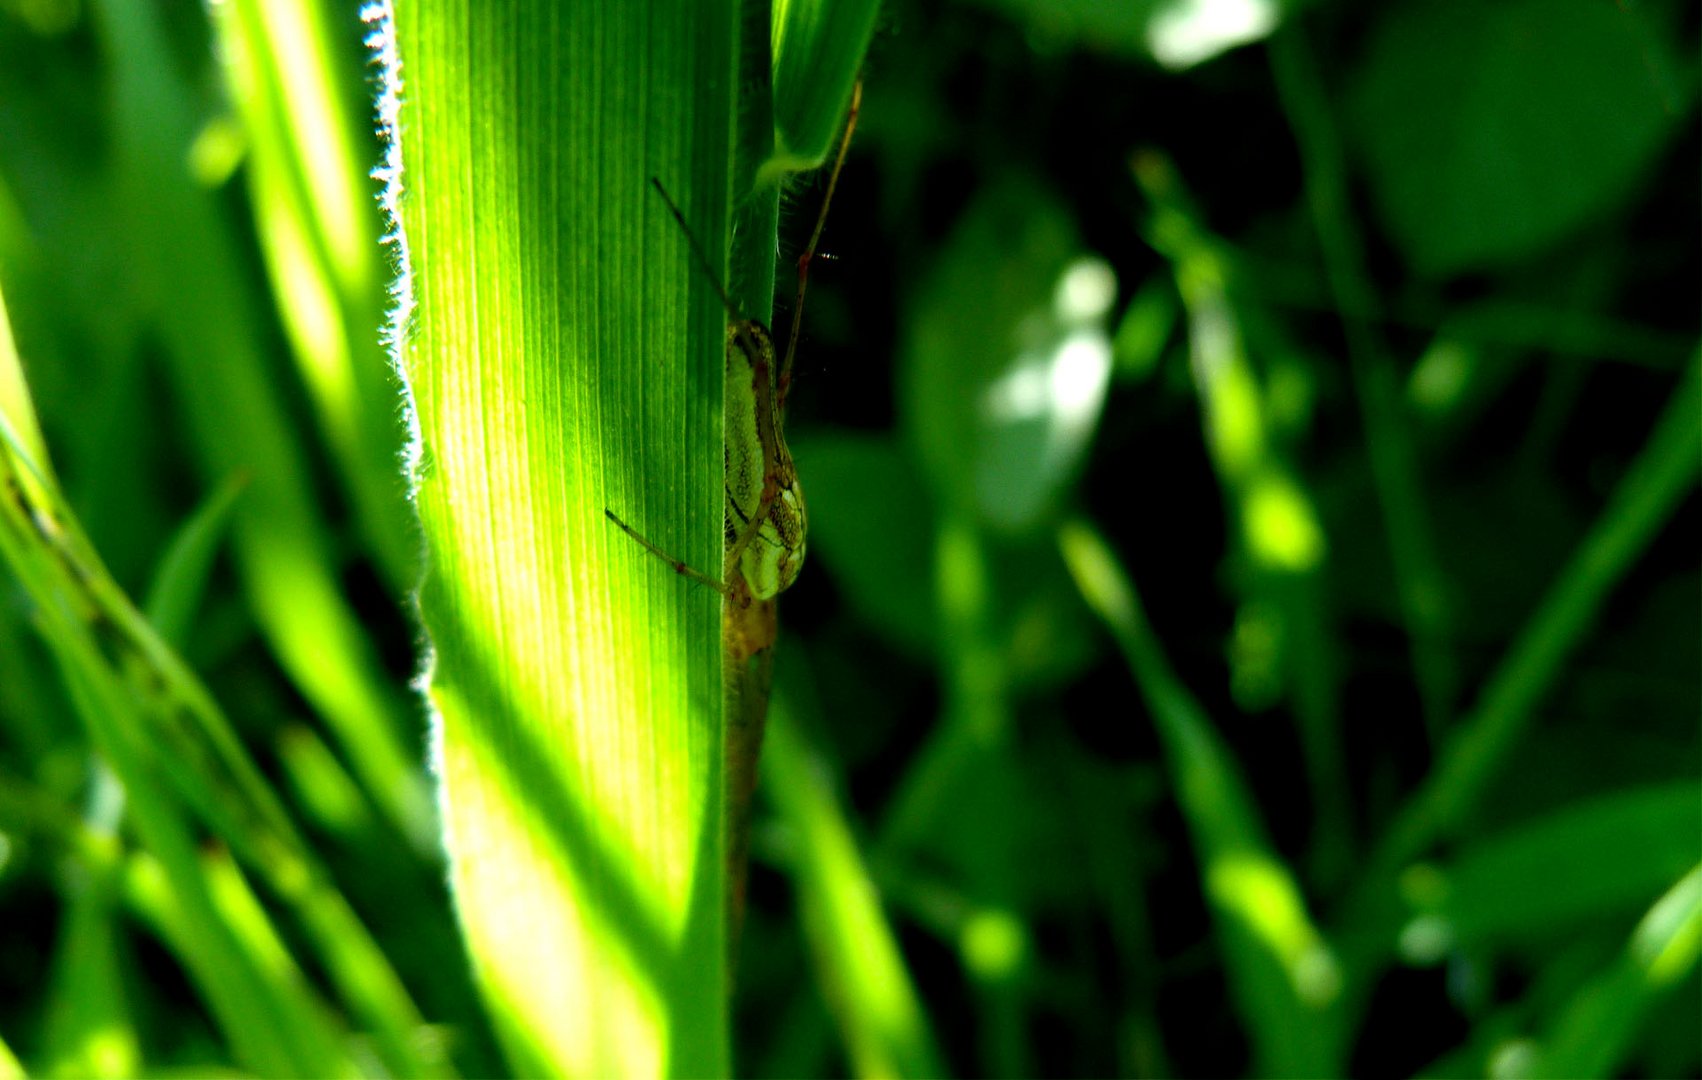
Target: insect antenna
[(738, 322), (784, 382)]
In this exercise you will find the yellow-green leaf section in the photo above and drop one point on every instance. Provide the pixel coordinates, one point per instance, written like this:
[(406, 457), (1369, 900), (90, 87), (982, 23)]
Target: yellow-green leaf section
[(564, 354)]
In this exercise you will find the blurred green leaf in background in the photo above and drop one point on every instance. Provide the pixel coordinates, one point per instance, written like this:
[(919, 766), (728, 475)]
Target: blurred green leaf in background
[(1253, 615)]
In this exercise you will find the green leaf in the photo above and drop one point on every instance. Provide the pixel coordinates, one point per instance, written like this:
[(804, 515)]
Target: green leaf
[(1176, 33), (1490, 131), (1119, 27), (565, 354), (818, 55), (1007, 360)]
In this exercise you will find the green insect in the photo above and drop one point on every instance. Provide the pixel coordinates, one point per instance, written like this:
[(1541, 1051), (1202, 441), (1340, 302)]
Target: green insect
[(765, 524), (765, 517)]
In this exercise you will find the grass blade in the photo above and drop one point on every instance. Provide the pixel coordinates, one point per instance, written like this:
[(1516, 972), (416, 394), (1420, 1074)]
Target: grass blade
[(210, 327), (181, 578), (1591, 1036), (1389, 445), (90, 1027), (176, 757), (1663, 474), (1279, 533), (818, 53), (1283, 973), (307, 171), (564, 353), (1600, 857), (881, 1020)]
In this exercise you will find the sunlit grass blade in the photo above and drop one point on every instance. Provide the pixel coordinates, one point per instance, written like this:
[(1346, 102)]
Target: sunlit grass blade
[(880, 1015), (176, 757), (15, 403), (10, 1069), (210, 325), (317, 221), (818, 52), (565, 357), (1283, 973), (293, 1000), (269, 1019)]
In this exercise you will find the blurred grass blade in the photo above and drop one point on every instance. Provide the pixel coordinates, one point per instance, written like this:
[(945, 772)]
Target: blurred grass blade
[(818, 53), (90, 1028), (359, 971), (1593, 1034), (1285, 978), (328, 795), (181, 578), (293, 1000), (971, 746), (566, 357), (1394, 466), (210, 326), (34, 546), (1652, 488), (307, 173), (15, 404), (1277, 526), (174, 752), (262, 1021), (880, 1016), (233, 983), (1595, 858)]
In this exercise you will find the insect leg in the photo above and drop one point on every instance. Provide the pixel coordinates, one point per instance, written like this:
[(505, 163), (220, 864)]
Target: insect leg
[(681, 568)]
